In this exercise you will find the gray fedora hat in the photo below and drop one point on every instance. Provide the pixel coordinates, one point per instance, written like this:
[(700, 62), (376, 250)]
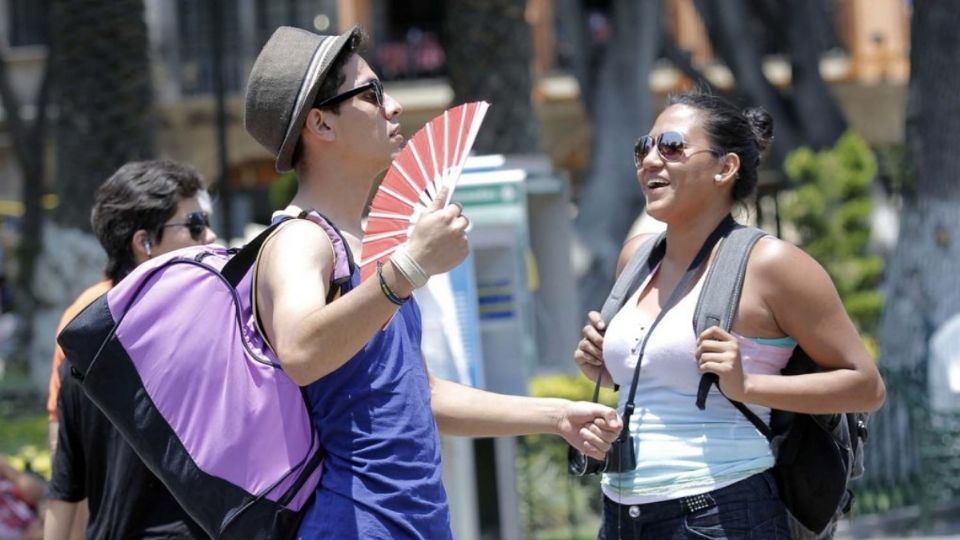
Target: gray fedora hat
[(283, 85)]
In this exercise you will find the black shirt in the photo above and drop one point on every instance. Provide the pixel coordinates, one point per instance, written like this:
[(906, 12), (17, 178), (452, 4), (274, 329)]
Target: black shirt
[(94, 462)]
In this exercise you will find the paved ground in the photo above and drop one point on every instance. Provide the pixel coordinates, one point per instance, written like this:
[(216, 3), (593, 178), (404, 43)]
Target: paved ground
[(941, 524)]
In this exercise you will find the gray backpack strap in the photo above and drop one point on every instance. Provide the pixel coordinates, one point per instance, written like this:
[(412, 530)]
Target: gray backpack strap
[(643, 261), (718, 302), (720, 295)]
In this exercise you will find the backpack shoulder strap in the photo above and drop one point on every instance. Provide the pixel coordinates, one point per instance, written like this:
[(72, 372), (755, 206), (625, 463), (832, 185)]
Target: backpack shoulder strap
[(643, 261), (719, 300), (720, 295), (343, 257), (342, 264), (246, 257), (243, 260)]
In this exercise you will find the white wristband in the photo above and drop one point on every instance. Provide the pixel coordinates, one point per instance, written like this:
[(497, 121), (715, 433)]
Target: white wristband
[(408, 267)]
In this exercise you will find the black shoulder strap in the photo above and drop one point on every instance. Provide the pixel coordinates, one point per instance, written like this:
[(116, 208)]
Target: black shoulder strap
[(641, 264), (637, 270), (718, 302), (643, 261), (242, 262), (724, 280), (246, 257)]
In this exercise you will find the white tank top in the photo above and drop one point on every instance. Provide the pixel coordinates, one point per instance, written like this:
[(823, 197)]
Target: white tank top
[(682, 450)]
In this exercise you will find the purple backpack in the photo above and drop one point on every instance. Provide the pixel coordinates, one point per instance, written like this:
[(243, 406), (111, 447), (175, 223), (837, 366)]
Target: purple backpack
[(173, 357)]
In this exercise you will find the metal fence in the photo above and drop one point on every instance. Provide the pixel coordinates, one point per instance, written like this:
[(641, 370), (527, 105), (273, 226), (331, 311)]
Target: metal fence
[(913, 451)]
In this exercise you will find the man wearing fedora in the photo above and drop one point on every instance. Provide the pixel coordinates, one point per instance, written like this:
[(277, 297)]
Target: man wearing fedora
[(316, 105)]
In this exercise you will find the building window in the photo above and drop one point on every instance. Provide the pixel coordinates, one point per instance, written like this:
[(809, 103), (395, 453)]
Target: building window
[(313, 15), (407, 37), (194, 26), (28, 22)]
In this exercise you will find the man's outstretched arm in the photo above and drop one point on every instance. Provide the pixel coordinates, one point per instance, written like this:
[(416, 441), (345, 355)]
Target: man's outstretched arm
[(470, 412)]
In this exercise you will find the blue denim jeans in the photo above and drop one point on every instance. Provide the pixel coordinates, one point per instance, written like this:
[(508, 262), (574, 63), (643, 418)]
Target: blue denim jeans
[(748, 509)]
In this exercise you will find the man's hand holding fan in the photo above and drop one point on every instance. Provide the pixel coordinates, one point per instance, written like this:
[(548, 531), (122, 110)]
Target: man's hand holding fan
[(417, 188)]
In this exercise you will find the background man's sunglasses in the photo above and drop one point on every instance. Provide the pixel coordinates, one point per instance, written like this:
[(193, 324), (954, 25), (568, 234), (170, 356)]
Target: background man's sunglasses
[(196, 223), (374, 85), (670, 145)]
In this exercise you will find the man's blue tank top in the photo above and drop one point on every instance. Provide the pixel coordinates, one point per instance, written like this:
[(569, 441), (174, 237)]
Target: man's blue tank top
[(382, 473)]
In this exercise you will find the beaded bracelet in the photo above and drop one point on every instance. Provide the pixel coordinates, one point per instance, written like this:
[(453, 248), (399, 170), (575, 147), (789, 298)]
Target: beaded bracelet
[(387, 291)]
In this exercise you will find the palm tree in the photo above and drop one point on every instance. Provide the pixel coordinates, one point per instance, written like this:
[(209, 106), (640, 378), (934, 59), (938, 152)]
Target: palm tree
[(29, 146), (489, 55), (102, 94)]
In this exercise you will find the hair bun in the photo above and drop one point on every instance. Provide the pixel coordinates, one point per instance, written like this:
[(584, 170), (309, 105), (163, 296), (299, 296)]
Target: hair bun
[(761, 123)]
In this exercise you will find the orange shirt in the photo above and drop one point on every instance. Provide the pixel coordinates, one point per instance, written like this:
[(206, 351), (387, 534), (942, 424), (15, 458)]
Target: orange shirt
[(82, 301)]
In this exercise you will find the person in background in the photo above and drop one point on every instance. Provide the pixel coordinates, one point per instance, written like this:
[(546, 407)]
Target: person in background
[(145, 209), (21, 503), (705, 474)]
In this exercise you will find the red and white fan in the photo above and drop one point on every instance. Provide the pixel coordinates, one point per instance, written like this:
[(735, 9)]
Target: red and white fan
[(433, 158)]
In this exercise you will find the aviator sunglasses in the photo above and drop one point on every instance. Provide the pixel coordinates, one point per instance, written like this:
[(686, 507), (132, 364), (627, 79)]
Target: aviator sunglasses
[(196, 223), (375, 85), (670, 145)]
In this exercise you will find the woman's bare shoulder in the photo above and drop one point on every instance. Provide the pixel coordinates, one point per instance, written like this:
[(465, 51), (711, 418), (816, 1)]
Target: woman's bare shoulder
[(784, 269)]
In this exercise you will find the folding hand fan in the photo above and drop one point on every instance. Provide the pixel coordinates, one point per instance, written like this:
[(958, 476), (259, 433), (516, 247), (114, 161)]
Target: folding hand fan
[(433, 158)]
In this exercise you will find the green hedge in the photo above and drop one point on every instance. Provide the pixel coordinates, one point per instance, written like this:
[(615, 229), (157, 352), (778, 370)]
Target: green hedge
[(554, 504), (830, 210)]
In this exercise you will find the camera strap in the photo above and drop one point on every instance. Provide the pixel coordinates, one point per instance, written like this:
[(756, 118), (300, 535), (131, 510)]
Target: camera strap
[(722, 229)]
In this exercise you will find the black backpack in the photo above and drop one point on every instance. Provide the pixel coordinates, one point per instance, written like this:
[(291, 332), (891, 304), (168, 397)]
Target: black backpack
[(816, 455)]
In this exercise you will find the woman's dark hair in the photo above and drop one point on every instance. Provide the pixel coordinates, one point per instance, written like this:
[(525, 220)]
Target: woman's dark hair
[(329, 85), (746, 133), (140, 195)]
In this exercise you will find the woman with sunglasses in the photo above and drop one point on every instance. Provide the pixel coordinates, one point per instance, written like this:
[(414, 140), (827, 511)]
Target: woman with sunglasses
[(704, 474)]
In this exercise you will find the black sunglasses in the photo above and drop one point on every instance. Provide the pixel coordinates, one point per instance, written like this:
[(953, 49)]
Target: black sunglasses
[(670, 145), (374, 85), (197, 223)]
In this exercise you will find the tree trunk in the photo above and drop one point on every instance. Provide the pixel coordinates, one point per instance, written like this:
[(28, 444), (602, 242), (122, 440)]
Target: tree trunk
[(489, 55), (818, 114), (572, 22), (681, 59), (621, 110), (726, 24), (29, 143), (923, 288)]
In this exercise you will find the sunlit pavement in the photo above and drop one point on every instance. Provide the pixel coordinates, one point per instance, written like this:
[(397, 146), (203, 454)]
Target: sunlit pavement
[(942, 524)]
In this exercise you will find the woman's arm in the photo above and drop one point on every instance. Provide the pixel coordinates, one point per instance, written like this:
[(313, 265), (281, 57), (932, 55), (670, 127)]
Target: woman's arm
[(799, 296)]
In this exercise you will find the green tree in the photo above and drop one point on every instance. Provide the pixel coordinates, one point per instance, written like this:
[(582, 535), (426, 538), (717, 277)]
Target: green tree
[(831, 210)]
